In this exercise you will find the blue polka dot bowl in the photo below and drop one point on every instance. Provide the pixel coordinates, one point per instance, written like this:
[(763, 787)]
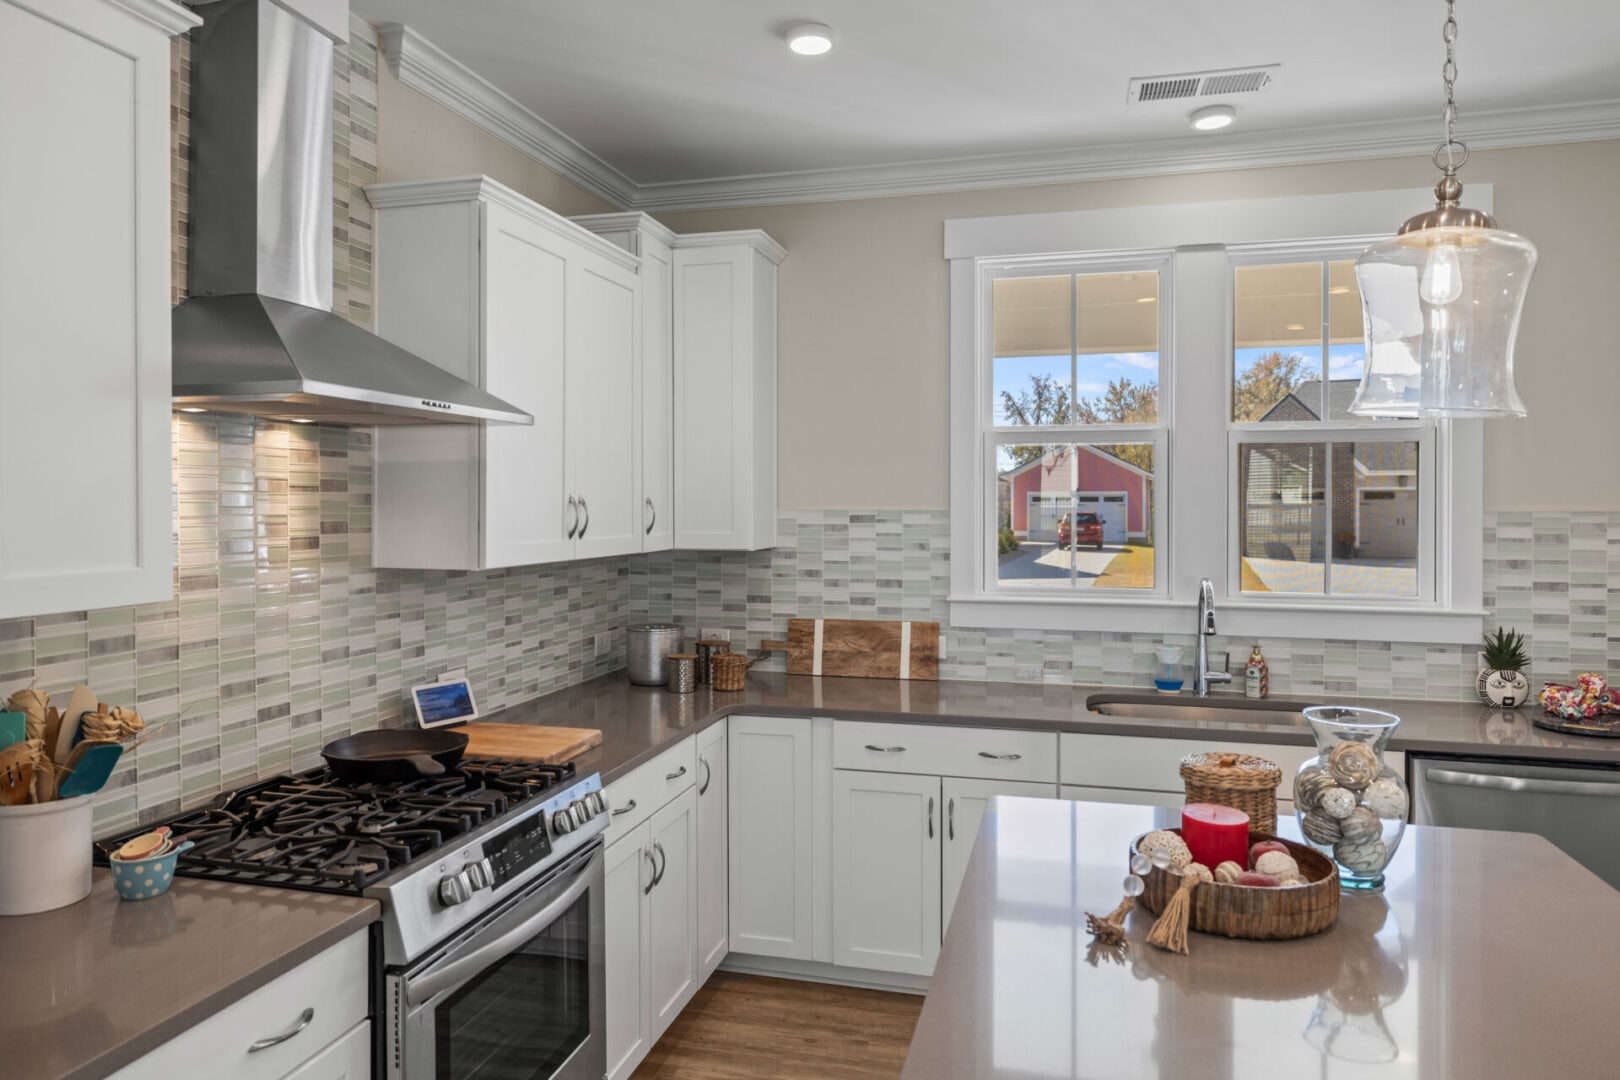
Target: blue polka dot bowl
[(142, 879)]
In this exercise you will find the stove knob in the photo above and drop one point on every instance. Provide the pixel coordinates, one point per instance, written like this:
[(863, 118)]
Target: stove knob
[(478, 874), (596, 803), (602, 804), (561, 822), (455, 889), (580, 813)]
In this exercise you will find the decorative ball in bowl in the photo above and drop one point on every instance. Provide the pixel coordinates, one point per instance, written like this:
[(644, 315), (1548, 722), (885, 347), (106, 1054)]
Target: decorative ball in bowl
[(142, 879), (1351, 806)]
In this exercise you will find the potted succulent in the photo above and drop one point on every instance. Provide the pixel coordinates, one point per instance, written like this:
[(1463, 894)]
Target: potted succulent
[(1502, 681)]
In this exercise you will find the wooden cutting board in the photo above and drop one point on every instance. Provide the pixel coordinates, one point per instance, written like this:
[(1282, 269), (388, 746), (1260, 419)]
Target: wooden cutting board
[(865, 648), (529, 742)]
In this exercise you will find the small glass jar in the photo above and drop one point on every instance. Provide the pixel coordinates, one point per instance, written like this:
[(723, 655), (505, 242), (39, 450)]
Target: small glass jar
[(1350, 805), (1167, 676)]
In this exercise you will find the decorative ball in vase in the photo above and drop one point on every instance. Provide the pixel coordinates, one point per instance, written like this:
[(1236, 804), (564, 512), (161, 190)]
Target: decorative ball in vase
[(1502, 663), (1351, 806)]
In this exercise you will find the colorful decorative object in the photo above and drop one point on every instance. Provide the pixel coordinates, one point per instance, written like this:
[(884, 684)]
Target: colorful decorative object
[(1244, 782), (1257, 675), (1214, 833), (1349, 804), (1588, 699), (1502, 662), (1242, 903)]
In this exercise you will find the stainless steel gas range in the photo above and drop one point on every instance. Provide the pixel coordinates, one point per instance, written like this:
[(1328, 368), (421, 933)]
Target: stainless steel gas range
[(490, 961)]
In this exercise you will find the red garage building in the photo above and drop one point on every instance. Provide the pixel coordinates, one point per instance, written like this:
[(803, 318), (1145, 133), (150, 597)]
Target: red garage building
[(1089, 479)]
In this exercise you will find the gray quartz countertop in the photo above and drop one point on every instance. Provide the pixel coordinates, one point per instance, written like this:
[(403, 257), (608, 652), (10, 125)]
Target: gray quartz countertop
[(92, 986), (637, 721), (1476, 962)]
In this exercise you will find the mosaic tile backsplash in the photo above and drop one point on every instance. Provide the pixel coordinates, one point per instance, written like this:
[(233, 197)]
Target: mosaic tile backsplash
[(1555, 576)]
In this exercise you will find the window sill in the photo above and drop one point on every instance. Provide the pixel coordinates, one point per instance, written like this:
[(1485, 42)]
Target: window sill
[(1235, 618)]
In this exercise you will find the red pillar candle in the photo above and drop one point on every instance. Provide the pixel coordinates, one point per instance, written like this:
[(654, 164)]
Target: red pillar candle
[(1216, 834)]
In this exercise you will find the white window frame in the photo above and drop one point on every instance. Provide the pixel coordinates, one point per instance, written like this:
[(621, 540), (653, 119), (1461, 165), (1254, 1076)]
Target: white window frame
[(1155, 434), (1195, 456)]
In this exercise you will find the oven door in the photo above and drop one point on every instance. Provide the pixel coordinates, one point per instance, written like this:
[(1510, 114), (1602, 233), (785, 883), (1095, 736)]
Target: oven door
[(519, 996)]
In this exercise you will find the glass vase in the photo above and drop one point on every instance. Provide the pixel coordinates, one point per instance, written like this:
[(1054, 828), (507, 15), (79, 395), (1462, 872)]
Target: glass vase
[(1350, 805)]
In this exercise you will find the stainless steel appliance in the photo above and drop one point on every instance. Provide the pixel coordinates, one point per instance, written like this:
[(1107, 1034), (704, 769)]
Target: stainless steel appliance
[(257, 334), (491, 880), (1576, 807)]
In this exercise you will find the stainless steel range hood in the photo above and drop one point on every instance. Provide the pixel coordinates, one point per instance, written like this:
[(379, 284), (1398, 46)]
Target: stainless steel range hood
[(258, 335)]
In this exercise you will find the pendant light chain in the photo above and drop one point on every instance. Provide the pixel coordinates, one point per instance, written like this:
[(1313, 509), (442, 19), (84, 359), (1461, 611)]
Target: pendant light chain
[(1454, 150)]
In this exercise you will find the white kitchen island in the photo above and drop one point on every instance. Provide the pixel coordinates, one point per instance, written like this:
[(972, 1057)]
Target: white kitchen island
[(1488, 955)]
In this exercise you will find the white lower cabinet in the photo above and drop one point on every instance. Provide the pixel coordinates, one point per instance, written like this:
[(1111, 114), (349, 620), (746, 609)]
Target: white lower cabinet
[(651, 913), (713, 826), (965, 804), (1077, 793), (771, 850), (316, 1012), (886, 871)]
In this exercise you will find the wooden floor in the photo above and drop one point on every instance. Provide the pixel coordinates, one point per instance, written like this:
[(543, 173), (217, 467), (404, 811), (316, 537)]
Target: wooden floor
[(744, 1027)]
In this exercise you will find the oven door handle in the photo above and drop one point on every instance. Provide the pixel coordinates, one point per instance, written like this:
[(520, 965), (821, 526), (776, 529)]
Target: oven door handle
[(1528, 785), (431, 985)]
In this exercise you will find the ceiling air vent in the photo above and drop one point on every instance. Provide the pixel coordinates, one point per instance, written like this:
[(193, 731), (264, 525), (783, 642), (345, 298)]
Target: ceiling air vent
[(1195, 84)]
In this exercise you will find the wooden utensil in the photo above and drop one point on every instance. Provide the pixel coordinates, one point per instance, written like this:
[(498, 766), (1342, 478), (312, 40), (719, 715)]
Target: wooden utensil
[(16, 774), (529, 742), (87, 768), (81, 701), (866, 648)]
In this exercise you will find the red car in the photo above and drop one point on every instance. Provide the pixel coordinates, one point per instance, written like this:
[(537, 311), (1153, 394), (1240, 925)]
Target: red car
[(1087, 529)]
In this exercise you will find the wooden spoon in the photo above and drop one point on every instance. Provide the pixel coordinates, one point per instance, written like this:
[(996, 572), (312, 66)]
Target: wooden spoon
[(83, 700)]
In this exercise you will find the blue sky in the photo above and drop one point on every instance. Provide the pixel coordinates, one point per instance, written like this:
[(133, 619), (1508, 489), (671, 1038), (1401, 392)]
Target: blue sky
[(1344, 361)]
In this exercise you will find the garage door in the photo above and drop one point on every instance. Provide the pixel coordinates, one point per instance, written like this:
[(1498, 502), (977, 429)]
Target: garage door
[(1388, 525)]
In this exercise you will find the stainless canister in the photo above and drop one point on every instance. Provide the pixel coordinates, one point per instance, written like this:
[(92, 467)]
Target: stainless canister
[(682, 672), (649, 649), (707, 650)]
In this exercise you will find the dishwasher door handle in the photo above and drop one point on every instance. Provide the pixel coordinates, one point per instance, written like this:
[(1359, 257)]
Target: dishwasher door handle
[(1522, 785)]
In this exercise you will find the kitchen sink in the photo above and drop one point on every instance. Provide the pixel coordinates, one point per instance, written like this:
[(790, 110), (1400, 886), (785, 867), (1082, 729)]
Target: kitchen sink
[(1213, 709)]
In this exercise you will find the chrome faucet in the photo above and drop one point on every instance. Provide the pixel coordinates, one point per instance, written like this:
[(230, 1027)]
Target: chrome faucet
[(1202, 676)]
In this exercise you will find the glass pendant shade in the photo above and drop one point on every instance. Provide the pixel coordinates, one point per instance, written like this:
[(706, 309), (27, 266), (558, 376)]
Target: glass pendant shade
[(1440, 308)]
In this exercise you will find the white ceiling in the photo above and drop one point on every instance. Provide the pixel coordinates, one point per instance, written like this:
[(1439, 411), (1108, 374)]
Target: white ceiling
[(697, 89)]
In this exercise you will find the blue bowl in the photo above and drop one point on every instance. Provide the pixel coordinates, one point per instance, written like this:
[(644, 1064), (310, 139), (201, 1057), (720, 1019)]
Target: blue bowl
[(142, 879), (1168, 686)]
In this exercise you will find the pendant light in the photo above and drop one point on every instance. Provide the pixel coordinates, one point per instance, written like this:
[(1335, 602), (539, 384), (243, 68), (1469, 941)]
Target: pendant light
[(1441, 299)]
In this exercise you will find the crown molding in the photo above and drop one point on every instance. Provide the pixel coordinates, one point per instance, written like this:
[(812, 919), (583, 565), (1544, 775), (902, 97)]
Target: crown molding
[(170, 18), (428, 69), (758, 239), (360, 30), (1582, 122)]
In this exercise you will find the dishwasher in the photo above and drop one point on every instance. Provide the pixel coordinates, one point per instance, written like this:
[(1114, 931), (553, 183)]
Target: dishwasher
[(1577, 807)]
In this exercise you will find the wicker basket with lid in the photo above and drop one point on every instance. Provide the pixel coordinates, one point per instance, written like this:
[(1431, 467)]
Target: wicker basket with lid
[(1242, 781)]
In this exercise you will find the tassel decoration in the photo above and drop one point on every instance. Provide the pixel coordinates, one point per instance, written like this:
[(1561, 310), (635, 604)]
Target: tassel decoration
[(1110, 929), (1170, 932)]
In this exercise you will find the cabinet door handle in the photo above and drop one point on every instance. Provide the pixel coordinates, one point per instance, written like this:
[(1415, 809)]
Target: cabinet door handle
[(677, 774), (930, 817), (583, 505), (663, 862), (625, 809), (654, 863), (1001, 757), (950, 819), (303, 1021), (654, 510), (708, 774), (885, 749), (573, 506)]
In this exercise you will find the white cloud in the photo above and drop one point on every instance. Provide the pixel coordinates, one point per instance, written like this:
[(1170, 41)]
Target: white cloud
[(1337, 365), (1145, 360), (1087, 389)]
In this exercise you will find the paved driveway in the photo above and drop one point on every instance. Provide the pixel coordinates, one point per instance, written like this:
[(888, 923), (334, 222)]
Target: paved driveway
[(1037, 561)]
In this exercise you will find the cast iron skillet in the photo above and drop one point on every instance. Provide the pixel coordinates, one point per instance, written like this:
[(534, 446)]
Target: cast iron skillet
[(369, 756)]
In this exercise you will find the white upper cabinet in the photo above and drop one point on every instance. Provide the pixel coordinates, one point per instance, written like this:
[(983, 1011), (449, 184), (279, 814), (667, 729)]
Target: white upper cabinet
[(655, 446), (503, 292), (725, 390), (84, 303)]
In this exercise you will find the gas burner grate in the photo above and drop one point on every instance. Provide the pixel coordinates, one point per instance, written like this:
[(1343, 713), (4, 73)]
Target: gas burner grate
[(311, 831)]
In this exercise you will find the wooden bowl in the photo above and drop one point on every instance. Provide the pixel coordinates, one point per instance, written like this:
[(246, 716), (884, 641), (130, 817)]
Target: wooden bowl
[(1256, 912)]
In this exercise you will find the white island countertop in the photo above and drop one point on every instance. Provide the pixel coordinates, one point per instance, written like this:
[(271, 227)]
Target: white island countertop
[(1488, 955)]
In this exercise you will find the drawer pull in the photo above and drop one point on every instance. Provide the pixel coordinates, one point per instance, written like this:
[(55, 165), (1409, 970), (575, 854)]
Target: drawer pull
[(677, 774), (1001, 757), (625, 809), (930, 817), (885, 749), (708, 776), (652, 861), (303, 1021), (950, 818)]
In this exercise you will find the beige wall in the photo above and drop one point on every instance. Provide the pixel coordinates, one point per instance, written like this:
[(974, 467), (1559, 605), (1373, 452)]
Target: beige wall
[(863, 322), (420, 139)]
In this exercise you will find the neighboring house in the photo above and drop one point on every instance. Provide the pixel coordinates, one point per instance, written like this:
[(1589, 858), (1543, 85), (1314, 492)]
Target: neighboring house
[(1043, 490), (1374, 490)]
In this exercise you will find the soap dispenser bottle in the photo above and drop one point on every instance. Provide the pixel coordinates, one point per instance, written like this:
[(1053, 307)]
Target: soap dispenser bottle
[(1257, 675)]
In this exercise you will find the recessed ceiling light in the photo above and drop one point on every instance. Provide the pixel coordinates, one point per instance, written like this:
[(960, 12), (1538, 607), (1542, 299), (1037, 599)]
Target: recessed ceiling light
[(1146, 299), (1212, 117), (1338, 290), (810, 39), (300, 420), (191, 408), (1294, 326)]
